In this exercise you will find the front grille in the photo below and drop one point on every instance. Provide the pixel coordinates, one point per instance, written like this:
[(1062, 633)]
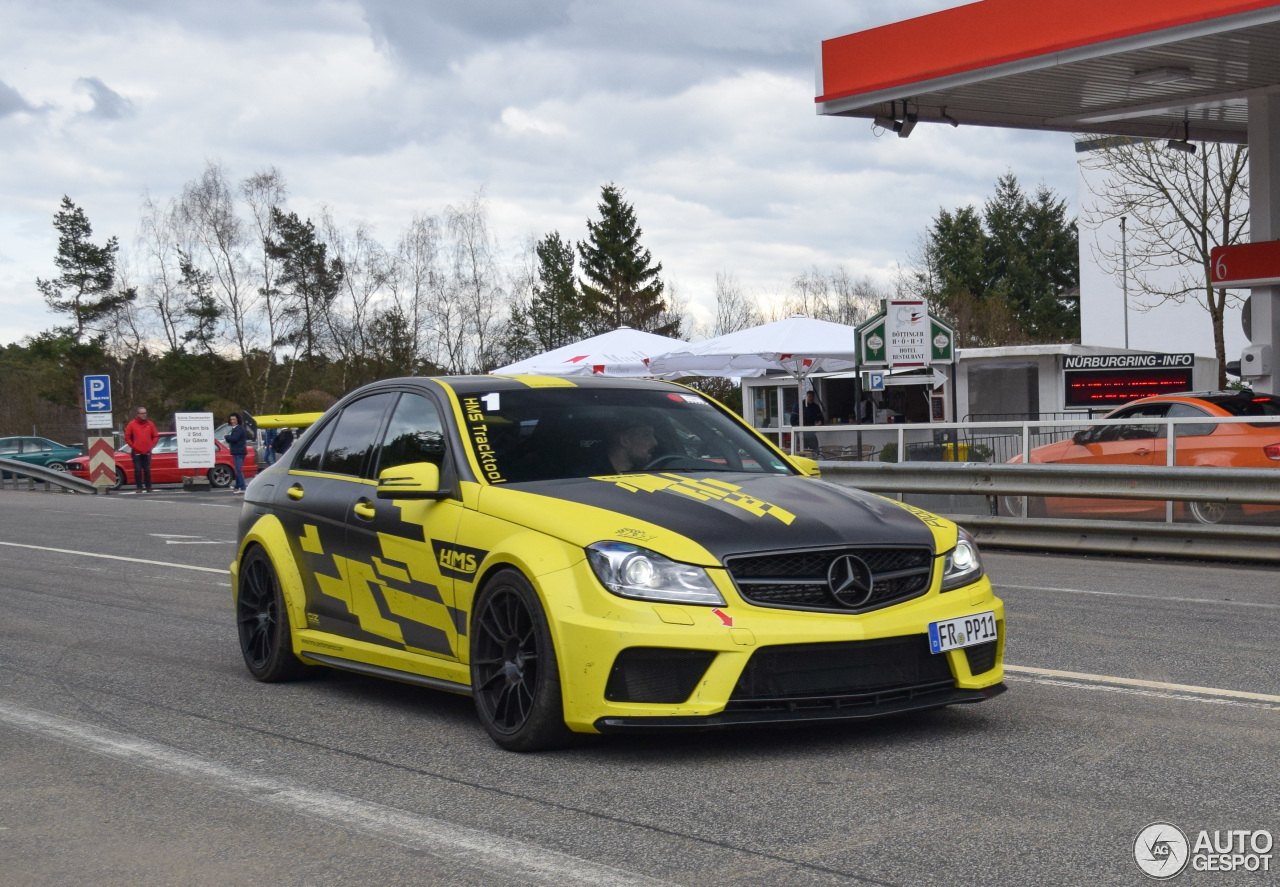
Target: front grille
[(796, 673), (656, 674), (982, 657), (797, 580)]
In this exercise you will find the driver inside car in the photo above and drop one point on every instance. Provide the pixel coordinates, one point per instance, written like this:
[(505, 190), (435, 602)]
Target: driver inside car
[(631, 448)]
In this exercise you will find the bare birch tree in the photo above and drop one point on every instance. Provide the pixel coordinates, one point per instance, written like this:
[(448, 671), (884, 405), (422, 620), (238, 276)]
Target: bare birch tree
[(476, 280), (159, 241), (264, 192), (1179, 206), (735, 310), (208, 206), (416, 284), (366, 269)]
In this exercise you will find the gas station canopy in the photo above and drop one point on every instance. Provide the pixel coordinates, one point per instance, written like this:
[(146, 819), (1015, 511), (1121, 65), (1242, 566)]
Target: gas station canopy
[(1173, 69)]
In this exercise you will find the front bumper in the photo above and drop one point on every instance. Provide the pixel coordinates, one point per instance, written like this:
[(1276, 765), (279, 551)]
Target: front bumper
[(801, 711), (593, 627)]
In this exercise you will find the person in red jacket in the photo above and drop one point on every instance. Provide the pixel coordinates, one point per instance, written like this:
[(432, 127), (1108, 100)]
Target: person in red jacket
[(141, 436)]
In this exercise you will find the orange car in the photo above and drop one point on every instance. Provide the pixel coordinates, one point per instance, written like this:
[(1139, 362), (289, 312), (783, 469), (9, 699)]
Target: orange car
[(1238, 445)]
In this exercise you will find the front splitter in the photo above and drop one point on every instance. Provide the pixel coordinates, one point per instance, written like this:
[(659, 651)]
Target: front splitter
[(798, 716)]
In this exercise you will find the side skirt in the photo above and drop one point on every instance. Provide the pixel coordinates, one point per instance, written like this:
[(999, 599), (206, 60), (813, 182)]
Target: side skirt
[(378, 671)]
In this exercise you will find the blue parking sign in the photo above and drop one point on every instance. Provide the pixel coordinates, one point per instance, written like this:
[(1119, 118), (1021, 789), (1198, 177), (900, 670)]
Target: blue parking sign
[(97, 394), (875, 381)]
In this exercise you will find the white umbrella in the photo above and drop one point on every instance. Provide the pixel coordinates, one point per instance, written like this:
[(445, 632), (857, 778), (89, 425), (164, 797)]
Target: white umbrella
[(798, 346), (622, 352)]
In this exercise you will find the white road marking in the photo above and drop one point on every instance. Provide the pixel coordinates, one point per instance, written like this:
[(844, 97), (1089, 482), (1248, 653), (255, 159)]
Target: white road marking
[(116, 557), (485, 851), (198, 542), (1131, 691), (174, 536), (1085, 677), (1145, 597)]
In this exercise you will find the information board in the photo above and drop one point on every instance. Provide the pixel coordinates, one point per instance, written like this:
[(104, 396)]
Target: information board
[(195, 440), (906, 326)]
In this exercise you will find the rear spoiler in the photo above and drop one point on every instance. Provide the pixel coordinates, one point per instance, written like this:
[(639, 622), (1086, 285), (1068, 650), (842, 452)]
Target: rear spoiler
[(281, 420)]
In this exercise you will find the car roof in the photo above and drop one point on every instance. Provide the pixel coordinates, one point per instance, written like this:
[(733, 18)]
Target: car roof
[(484, 384)]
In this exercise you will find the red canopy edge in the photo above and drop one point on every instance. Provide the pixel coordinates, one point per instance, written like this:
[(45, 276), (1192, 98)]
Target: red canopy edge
[(996, 32)]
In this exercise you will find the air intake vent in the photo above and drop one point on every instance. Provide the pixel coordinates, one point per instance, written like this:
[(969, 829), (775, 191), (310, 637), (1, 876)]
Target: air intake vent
[(656, 674)]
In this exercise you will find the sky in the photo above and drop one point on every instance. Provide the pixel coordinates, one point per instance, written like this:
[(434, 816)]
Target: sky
[(702, 110)]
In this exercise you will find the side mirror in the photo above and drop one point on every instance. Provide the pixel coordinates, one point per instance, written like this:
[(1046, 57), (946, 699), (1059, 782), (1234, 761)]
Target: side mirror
[(417, 480), (808, 467)]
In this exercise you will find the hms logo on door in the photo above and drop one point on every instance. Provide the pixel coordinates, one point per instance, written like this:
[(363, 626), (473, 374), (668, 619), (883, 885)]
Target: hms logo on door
[(457, 561)]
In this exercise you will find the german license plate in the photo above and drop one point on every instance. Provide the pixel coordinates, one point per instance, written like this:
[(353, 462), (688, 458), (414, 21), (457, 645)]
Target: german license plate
[(952, 634)]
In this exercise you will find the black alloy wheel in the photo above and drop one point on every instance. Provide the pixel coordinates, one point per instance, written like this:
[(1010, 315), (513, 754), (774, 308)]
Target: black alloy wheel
[(514, 674), (263, 621), (221, 476)]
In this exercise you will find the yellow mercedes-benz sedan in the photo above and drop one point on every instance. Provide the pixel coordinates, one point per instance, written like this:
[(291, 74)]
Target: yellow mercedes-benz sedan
[(597, 555)]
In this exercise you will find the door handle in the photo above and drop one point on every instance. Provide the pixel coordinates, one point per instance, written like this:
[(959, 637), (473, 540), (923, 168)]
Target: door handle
[(364, 509), (296, 492), (1142, 451)]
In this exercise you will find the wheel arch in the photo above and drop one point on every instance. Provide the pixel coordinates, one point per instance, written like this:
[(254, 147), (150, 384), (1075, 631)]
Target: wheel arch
[(268, 534)]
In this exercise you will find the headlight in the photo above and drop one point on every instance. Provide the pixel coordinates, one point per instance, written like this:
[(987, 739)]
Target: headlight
[(631, 571), (961, 565)]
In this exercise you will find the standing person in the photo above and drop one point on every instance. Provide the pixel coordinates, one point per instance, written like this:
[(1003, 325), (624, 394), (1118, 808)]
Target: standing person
[(812, 416), (268, 446), (141, 436), (283, 441), (236, 439)]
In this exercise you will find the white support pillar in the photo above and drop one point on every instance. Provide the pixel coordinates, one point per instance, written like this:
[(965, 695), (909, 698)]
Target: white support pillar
[(1264, 224)]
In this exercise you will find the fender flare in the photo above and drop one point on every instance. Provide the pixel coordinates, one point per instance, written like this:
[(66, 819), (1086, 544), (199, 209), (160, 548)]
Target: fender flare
[(268, 533)]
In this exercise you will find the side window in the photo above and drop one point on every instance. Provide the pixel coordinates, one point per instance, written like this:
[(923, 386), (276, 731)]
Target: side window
[(8, 447), (354, 435), (166, 445), (36, 445), (415, 434), (314, 452), (1135, 432), (1187, 411)]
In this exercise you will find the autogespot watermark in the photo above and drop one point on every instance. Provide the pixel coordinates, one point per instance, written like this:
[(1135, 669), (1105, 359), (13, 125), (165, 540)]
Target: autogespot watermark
[(1162, 850)]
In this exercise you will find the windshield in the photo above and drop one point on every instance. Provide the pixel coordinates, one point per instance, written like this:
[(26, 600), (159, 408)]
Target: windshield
[(553, 433)]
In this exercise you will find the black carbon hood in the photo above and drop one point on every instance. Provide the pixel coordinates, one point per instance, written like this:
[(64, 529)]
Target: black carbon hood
[(732, 513)]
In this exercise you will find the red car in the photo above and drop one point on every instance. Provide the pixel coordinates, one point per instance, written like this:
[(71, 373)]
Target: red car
[(1245, 445), (164, 465)]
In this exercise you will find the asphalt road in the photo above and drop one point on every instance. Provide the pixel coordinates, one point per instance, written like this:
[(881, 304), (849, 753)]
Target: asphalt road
[(136, 750)]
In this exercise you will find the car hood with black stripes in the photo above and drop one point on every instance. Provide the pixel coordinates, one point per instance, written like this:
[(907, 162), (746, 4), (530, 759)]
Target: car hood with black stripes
[(704, 517)]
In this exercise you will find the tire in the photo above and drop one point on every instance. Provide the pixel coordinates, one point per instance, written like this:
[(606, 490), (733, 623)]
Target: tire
[(119, 482), (514, 675), (221, 476), (262, 621), (58, 466), (1208, 512)]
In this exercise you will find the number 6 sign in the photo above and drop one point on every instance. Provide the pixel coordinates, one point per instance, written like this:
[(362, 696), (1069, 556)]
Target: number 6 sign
[(1245, 265)]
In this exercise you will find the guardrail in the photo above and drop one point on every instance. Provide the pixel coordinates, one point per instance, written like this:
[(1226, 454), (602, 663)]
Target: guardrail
[(1230, 485), (1001, 440), (39, 474)]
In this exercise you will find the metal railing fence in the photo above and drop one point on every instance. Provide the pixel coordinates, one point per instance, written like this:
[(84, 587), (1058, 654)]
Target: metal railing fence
[(11, 470)]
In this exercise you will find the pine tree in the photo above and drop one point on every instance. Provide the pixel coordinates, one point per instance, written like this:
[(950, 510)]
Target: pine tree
[(307, 276), (622, 287), (556, 315), (201, 309), (1009, 276), (85, 290)]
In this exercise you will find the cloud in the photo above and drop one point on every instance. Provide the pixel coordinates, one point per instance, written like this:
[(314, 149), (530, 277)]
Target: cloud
[(11, 101), (701, 109), (107, 103)]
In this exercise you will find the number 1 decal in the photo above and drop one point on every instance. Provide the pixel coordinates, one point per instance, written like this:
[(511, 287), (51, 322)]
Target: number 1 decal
[(491, 402)]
